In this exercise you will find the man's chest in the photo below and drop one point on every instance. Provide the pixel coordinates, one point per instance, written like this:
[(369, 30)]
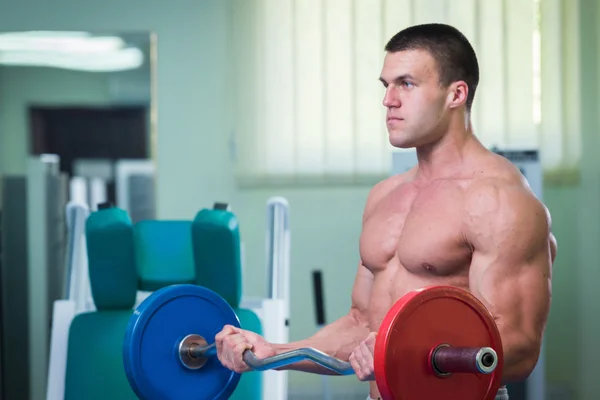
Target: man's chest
[(424, 229)]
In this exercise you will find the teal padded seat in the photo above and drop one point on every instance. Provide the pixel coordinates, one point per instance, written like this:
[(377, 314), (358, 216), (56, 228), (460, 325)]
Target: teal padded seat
[(163, 251), (94, 361), (216, 248), (217, 257)]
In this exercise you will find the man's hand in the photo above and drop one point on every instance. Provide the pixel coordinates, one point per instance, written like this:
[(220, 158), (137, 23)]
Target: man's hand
[(361, 359), (231, 343)]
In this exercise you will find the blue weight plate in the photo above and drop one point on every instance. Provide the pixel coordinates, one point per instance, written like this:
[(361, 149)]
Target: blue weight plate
[(150, 349)]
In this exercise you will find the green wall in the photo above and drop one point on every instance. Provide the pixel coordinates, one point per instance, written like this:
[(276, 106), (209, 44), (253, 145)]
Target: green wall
[(562, 353), (587, 208)]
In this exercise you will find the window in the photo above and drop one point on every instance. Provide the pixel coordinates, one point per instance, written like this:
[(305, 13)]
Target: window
[(306, 79)]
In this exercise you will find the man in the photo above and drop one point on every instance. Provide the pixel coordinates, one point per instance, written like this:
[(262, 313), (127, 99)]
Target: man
[(463, 216)]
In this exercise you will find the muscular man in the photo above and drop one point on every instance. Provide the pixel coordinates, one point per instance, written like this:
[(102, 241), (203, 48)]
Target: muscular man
[(463, 216)]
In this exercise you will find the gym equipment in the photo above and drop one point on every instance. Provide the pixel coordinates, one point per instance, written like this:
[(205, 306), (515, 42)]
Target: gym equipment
[(435, 342), (111, 255), (317, 279), (217, 253), (92, 334), (158, 243), (438, 342), (159, 330)]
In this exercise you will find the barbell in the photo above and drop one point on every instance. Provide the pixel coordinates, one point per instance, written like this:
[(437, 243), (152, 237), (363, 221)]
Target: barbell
[(434, 342)]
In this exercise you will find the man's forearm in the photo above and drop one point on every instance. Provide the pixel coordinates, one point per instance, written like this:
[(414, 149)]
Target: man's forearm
[(520, 355), (337, 339)]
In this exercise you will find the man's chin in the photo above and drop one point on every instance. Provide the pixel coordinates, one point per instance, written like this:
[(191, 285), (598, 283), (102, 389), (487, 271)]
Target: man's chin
[(401, 143)]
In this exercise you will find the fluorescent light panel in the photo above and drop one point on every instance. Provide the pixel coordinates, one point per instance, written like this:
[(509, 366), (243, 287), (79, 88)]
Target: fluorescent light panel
[(68, 50)]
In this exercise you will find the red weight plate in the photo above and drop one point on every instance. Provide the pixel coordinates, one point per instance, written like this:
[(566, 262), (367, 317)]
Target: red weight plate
[(417, 323)]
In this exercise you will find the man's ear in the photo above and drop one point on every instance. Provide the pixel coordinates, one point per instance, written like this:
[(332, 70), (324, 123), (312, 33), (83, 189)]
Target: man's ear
[(457, 94)]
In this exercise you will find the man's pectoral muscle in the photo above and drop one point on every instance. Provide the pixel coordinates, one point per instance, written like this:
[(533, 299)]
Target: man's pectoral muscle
[(511, 269)]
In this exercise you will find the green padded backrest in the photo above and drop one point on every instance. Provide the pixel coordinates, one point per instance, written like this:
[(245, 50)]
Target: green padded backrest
[(250, 386), (163, 251), (216, 248), (95, 368), (111, 259)]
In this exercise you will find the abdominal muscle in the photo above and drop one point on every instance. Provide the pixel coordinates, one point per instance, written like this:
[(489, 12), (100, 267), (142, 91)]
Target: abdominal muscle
[(394, 281)]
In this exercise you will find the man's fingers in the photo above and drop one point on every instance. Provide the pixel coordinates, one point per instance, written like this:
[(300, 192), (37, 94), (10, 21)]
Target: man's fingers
[(237, 356), (366, 355), (355, 365), (360, 364), (227, 342), (219, 339), (227, 330), (233, 340), (370, 340), (366, 359)]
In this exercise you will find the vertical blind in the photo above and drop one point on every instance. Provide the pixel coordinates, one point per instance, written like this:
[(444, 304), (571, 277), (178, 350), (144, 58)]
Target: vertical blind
[(309, 104)]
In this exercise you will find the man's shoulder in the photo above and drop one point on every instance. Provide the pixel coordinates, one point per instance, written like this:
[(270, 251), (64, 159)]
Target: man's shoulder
[(501, 193), (504, 213), (389, 183), (382, 188), (497, 176), (498, 193), (385, 186)]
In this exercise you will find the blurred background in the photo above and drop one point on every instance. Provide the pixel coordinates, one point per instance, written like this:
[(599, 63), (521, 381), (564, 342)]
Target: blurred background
[(199, 101)]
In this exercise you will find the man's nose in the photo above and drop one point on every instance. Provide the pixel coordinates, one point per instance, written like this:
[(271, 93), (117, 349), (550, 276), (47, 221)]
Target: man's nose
[(390, 99)]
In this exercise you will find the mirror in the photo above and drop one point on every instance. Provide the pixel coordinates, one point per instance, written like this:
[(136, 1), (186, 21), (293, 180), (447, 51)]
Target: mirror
[(77, 123), (88, 97)]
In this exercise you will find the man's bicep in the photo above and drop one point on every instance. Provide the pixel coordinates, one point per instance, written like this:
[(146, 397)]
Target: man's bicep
[(511, 266), (517, 292)]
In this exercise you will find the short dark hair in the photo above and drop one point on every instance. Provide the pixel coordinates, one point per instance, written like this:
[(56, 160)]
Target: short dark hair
[(454, 55)]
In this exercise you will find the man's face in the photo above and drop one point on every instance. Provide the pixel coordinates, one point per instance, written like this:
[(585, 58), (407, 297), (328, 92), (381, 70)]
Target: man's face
[(414, 98)]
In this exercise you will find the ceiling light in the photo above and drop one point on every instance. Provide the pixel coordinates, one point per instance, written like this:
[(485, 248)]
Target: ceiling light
[(68, 50), (125, 59)]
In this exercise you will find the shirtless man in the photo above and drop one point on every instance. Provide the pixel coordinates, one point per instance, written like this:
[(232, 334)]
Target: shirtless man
[(463, 216)]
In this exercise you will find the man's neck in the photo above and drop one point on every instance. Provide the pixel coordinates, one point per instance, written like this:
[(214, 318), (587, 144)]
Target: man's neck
[(443, 158)]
